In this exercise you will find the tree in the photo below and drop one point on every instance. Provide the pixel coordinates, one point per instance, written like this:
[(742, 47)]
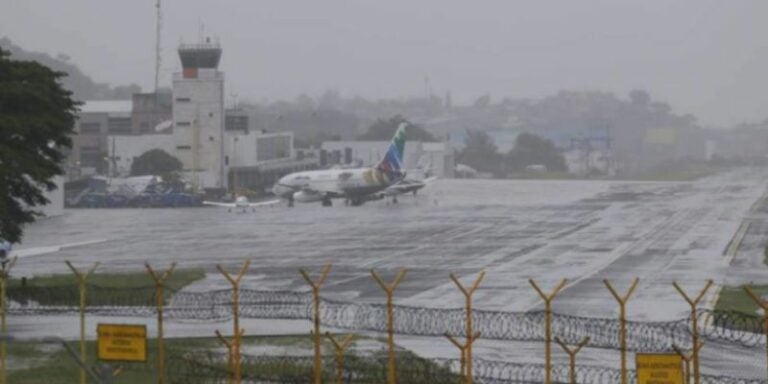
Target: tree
[(156, 162), (639, 97), (531, 149), (385, 129), (480, 152), (37, 117)]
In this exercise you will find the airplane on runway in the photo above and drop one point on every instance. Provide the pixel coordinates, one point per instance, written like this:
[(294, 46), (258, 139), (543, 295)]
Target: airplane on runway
[(242, 203), (355, 185)]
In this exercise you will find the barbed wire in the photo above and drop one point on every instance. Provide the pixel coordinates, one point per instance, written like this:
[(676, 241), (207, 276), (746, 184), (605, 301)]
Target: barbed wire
[(727, 327), (372, 369)]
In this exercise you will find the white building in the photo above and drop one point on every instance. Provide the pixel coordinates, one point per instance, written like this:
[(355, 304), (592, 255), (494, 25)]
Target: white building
[(438, 156), (585, 162)]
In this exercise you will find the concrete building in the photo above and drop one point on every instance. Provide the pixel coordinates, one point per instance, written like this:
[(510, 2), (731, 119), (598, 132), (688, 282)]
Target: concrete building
[(366, 153), (198, 114), (96, 121), (256, 160), (151, 112)]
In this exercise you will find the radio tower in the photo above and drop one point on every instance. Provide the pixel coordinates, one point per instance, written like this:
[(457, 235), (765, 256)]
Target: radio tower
[(157, 46)]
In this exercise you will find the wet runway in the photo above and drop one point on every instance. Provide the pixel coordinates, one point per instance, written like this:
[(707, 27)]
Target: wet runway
[(585, 231), (514, 230)]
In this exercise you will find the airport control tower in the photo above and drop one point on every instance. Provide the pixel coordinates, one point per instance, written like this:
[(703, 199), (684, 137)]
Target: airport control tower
[(198, 114)]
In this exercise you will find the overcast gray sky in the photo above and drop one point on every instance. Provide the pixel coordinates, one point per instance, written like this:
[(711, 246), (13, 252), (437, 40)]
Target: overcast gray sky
[(706, 57)]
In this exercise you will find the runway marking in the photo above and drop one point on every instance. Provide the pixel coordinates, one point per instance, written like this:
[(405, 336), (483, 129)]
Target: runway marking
[(733, 246), (731, 251), (38, 251)]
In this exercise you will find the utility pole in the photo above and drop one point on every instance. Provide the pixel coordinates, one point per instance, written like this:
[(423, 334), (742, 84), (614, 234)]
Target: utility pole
[(158, 57)]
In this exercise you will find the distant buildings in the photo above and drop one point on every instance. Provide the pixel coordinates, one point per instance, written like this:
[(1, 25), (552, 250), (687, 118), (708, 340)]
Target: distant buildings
[(219, 149), (438, 157)]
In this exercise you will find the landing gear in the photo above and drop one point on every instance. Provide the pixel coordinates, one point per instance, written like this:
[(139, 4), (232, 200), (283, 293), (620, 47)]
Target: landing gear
[(290, 202), (394, 199), (327, 202), (356, 202)]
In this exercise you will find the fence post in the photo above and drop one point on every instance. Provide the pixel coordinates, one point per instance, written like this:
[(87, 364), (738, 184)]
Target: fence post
[(468, 307), (340, 348), (687, 358), (462, 358), (318, 372), (5, 270), (235, 314), (81, 278), (389, 290), (694, 324), (764, 306), (230, 352), (159, 301), (572, 355), (463, 353), (622, 300), (548, 325)]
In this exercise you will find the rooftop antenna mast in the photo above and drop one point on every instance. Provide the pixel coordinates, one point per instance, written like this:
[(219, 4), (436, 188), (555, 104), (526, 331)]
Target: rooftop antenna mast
[(158, 57)]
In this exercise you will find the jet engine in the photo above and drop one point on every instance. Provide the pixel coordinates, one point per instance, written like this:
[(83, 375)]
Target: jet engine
[(307, 197)]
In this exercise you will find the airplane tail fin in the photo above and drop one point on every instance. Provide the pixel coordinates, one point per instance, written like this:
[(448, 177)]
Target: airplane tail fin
[(392, 163)]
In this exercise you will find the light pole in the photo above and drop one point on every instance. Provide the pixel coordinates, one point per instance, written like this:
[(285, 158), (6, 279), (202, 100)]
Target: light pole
[(233, 168)]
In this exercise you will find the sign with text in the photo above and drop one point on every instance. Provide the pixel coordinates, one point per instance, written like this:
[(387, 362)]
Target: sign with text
[(659, 368), (120, 342)]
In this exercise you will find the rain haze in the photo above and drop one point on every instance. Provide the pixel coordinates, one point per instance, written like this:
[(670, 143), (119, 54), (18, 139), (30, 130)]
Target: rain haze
[(584, 173), (706, 58)]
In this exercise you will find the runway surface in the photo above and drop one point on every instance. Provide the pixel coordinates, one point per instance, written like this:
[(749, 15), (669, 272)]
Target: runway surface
[(584, 231)]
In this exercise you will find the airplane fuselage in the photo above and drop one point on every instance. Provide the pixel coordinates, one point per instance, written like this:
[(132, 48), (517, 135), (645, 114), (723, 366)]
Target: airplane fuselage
[(357, 183)]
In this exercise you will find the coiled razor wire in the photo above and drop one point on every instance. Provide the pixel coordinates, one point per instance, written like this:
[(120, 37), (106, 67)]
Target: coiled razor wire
[(372, 369), (725, 327)]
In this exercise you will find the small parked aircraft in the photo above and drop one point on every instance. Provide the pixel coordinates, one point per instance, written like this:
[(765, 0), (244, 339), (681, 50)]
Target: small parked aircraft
[(242, 203)]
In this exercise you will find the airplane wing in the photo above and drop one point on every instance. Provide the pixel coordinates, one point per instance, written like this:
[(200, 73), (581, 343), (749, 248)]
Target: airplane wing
[(264, 203), (219, 204), (408, 186)]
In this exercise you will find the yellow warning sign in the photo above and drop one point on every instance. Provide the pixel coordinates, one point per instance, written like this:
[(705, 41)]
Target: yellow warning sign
[(659, 368), (119, 342)]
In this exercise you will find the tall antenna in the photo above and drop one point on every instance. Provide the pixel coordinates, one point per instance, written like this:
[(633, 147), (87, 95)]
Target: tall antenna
[(157, 46)]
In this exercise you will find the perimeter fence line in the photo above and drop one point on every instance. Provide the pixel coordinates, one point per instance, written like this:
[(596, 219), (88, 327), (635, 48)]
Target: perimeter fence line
[(216, 306), (237, 303)]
